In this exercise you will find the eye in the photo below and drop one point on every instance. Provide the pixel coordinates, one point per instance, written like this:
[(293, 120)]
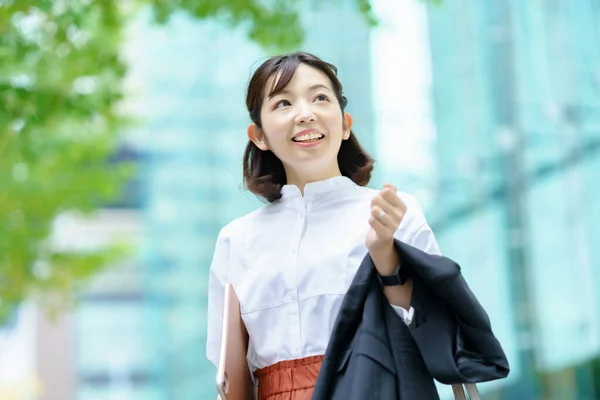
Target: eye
[(321, 97), (282, 103)]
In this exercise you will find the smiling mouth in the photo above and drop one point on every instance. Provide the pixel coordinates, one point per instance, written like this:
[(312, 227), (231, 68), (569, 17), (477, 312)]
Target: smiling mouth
[(308, 138)]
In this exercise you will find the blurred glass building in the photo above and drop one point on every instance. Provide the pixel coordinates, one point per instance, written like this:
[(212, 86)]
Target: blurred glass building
[(516, 91)]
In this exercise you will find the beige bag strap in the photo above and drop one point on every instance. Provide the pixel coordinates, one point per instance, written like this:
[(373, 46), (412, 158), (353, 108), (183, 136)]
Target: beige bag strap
[(459, 393)]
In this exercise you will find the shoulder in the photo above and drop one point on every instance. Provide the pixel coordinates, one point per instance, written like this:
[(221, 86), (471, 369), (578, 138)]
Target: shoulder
[(233, 244), (414, 218), (413, 207), (238, 228)]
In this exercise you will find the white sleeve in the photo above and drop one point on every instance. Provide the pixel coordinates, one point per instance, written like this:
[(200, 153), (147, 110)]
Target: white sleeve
[(406, 316), (216, 286), (424, 240), (416, 232)]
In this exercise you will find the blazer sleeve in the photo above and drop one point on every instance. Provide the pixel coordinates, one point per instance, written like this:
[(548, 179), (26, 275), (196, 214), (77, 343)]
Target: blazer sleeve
[(451, 328)]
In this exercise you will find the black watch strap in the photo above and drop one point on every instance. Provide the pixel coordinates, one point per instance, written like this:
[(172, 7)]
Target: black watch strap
[(395, 279)]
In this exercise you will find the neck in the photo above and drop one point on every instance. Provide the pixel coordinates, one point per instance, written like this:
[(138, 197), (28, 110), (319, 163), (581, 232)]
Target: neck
[(300, 180)]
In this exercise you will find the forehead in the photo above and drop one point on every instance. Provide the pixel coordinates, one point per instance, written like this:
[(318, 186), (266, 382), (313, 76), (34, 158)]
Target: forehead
[(303, 77)]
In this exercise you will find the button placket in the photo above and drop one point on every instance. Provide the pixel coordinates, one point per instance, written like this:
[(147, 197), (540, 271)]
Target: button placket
[(293, 306)]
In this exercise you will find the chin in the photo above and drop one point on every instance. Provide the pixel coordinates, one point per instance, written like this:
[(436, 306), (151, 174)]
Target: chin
[(316, 164)]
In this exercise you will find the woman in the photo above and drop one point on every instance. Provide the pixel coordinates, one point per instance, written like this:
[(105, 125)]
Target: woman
[(292, 261)]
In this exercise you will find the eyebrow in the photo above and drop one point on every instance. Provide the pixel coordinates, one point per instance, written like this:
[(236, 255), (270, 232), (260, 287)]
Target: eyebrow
[(313, 87)]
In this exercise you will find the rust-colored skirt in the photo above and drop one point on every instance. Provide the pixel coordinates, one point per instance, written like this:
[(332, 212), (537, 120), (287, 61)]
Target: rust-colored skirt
[(289, 380)]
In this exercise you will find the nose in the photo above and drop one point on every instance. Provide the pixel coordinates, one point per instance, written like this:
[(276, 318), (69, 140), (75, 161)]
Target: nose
[(304, 113)]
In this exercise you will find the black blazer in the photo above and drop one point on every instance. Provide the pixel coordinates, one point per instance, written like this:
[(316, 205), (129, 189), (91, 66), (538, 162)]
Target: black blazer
[(372, 354)]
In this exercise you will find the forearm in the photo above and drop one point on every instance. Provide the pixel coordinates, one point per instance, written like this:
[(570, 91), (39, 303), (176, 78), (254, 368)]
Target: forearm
[(386, 260)]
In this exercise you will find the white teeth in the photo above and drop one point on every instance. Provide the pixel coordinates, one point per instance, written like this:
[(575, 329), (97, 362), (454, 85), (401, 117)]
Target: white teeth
[(310, 136)]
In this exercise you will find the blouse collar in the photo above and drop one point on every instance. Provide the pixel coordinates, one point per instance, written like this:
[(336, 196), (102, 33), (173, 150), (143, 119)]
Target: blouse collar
[(313, 189)]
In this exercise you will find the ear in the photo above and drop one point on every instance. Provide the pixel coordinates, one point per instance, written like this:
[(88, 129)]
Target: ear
[(347, 126), (257, 136)]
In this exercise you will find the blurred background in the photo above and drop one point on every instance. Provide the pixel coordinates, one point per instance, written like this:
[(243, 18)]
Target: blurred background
[(122, 127)]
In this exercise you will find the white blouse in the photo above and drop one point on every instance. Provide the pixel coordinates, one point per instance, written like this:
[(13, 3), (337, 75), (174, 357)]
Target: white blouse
[(292, 261)]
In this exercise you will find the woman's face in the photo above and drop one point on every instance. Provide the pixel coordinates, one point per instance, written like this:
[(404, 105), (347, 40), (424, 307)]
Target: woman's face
[(303, 126)]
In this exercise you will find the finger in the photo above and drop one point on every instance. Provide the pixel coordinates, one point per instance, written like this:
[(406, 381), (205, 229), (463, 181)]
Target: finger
[(390, 194), (388, 191), (388, 220), (382, 231), (396, 212)]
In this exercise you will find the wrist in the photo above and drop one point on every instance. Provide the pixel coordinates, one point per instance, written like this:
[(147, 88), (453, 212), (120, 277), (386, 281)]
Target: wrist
[(385, 258)]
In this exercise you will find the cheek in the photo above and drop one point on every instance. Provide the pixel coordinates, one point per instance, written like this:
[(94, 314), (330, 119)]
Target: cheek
[(336, 125), (274, 139), (274, 136), (276, 131)]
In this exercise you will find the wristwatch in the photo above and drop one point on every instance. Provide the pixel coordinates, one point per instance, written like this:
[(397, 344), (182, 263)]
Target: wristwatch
[(397, 278)]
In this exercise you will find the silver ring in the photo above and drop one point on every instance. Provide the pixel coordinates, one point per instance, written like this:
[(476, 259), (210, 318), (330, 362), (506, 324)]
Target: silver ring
[(381, 215)]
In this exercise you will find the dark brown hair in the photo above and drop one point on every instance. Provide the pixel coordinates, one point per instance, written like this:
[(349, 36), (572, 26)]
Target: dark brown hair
[(264, 174)]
